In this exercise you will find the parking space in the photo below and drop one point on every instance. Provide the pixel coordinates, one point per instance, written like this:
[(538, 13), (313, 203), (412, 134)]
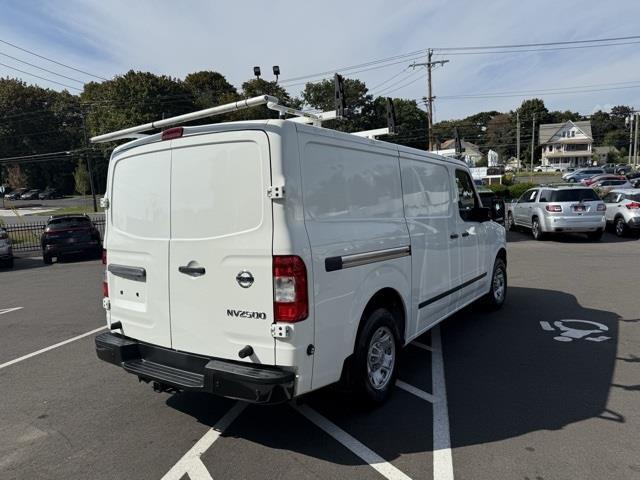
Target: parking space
[(545, 388)]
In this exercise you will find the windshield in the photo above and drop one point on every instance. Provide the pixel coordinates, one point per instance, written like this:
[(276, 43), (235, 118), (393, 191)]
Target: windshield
[(71, 222), (574, 195)]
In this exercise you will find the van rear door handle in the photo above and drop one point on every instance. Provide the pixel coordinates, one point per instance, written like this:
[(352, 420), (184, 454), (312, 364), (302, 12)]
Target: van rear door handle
[(453, 236), (192, 271)]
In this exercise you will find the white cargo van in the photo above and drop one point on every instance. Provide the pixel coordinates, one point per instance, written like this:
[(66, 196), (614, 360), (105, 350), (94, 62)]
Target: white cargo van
[(262, 260)]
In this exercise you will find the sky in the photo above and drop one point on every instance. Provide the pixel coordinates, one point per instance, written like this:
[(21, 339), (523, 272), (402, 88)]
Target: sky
[(109, 37)]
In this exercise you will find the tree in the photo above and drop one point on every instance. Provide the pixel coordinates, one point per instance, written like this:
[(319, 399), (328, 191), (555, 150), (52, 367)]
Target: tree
[(501, 135), (81, 178), (321, 95), (16, 177), (527, 110), (209, 89)]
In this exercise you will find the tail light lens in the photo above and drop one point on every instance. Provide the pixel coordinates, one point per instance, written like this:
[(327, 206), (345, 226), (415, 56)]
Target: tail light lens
[(633, 205), (602, 207), (171, 133), (105, 285), (553, 208), (290, 298)]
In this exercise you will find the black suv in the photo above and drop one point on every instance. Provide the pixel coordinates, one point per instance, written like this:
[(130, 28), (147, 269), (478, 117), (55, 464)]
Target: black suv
[(67, 234)]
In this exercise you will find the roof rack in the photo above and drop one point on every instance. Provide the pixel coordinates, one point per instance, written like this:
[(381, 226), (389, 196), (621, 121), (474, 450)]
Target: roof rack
[(273, 103)]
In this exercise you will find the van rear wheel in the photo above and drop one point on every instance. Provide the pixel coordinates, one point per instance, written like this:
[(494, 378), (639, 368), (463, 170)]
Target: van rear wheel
[(375, 364)]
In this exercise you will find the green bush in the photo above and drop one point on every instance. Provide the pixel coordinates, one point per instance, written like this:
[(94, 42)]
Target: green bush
[(515, 191), (500, 189)]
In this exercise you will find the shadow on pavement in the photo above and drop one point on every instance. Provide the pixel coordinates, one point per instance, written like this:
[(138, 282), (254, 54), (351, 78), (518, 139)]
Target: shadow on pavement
[(507, 375), (522, 235)]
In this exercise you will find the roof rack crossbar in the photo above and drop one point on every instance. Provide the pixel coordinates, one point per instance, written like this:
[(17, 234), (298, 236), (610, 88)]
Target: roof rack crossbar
[(134, 132)]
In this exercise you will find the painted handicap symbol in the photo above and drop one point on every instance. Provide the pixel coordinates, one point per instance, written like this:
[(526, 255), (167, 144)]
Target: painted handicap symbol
[(569, 333)]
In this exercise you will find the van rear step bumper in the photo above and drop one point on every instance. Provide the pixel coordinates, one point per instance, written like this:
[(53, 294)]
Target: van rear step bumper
[(185, 371)]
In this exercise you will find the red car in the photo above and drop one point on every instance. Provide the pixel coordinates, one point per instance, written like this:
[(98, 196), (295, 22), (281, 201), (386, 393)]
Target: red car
[(599, 178)]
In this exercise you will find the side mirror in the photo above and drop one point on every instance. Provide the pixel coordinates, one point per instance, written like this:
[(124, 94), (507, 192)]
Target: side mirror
[(497, 211), (478, 214)]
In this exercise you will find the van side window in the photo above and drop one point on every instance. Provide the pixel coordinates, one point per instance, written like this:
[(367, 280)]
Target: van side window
[(467, 198), (426, 189)]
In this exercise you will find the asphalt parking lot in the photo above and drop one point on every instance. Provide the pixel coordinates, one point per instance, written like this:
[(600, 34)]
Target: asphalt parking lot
[(546, 388)]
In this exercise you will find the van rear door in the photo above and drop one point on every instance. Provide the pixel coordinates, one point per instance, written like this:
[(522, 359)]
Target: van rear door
[(220, 254), (137, 242)]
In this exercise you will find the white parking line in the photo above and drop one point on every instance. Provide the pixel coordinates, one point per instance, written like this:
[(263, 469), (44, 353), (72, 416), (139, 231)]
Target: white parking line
[(442, 461), (191, 463), (33, 354), (415, 391), (383, 467), (8, 310)]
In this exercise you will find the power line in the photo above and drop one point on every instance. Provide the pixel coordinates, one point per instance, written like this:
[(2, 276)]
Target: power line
[(545, 44), (41, 68), (539, 92), (536, 49), (51, 60), (38, 76)]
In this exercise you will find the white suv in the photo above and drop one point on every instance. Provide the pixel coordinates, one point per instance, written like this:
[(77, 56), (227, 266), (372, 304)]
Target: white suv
[(558, 209), (262, 260), (623, 210)]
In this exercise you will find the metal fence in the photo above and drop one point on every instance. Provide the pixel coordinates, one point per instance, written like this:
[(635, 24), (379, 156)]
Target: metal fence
[(26, 236)]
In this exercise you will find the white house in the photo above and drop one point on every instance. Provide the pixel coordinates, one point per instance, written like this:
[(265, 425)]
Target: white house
[(567, 144)]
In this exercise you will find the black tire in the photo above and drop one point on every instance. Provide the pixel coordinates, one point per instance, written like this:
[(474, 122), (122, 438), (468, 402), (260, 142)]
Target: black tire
[(536, 231), (498, 289), (10, 263), (620, 227), (47, 259), (377, 324), (595, 236), (511, 226), (572, 180)]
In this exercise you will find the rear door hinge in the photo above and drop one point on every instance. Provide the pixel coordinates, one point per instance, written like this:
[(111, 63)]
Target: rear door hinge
[(106, 304), (280, 331), (104, 202), (275, 191)]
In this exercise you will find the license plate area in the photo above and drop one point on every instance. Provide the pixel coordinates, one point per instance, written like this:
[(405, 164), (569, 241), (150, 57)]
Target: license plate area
[(579, 208)]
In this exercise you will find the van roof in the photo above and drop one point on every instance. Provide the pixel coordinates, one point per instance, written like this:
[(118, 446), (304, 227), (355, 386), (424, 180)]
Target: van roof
[(278, 125)]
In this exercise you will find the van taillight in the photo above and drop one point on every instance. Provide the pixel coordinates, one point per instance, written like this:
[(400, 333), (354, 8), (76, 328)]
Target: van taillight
[(171, 133), (290, 299), (105, 285), (554, 208), (602, 207)]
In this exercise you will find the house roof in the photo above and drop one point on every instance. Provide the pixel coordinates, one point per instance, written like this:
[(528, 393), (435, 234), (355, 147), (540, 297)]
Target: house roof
[(466, 146), (548, 130)]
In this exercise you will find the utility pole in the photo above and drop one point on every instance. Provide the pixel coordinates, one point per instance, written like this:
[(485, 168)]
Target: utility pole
[(635, 145), (429, 64), (630, 119), (89, 162), (518, 141), (533, 141)]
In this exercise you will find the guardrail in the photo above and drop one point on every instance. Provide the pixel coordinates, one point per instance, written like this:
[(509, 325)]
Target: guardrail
[(25, 237)]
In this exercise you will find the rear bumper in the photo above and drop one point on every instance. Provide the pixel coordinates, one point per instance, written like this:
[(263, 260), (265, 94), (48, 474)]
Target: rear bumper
[(574, 224), (62, 248), (184, 371)]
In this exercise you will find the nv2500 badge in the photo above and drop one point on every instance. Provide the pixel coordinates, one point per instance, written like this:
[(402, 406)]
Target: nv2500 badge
[(246, 314)]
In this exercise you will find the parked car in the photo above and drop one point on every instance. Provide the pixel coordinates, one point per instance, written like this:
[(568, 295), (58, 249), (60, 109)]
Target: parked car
[(609, 167), (16, 194), (623, 168), (49, 193), (548, 168), (489, 199), (598, 178), (623, 211), (582, 173), (605, 186), (67, 234), (30, 195), (558, 209), (281, 293), (6, 249)]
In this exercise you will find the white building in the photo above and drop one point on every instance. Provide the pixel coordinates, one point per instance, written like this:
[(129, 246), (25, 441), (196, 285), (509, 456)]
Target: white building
[(566, 144)]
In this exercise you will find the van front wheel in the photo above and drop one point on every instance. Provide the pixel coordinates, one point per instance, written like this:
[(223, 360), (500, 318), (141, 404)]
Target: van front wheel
[(498, 291), (376, 357)]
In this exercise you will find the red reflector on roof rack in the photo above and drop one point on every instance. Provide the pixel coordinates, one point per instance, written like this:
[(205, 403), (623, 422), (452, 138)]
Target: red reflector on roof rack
[(171, 133)]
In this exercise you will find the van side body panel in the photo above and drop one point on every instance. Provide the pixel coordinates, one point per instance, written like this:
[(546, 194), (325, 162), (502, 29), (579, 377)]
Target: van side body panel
[(352, 198)]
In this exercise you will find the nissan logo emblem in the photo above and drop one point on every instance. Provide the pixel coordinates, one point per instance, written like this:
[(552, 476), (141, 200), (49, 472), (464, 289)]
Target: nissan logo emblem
[(244, 279)]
